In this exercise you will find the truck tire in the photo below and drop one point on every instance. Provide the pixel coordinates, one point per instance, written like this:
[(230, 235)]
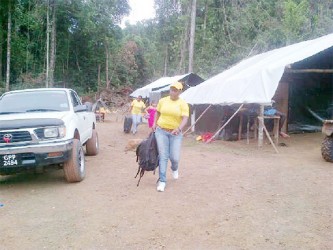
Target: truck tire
[(327, 148), (74, 168), (92, 145)]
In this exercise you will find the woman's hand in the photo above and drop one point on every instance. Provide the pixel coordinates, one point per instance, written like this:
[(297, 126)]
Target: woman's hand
[(153, 127), (176, 131)]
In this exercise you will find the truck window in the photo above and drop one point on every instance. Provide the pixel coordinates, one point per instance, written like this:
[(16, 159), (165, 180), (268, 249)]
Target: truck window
[(34, 101)]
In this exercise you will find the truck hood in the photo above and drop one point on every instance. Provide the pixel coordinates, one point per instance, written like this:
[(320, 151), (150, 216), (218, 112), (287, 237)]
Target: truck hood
[(34, 115), (30, 120)]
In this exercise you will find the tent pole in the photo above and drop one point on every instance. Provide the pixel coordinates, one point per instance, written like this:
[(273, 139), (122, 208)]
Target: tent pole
[(261, 128), (261, 119), (240, 127), (248, 130), (225, 124), (323, 71), (197, 119), (193, 119)]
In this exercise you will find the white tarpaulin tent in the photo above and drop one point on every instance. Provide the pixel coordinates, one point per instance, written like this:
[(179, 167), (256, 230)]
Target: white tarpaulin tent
[(160, 84), (254, 80)]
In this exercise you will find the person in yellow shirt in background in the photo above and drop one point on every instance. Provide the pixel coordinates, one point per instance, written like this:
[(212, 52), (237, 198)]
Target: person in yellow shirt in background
[(102, 111), (137, 107), (170, 119)]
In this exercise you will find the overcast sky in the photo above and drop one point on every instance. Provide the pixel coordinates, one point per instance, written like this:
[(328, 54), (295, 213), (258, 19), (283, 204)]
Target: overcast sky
[(141, 9)]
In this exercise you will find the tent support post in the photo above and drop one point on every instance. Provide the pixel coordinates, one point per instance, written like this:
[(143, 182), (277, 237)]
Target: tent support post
[(197, 119), (261, 121), (261, 128), (225, 124), (248, 130), (240, 127), (193, 120)]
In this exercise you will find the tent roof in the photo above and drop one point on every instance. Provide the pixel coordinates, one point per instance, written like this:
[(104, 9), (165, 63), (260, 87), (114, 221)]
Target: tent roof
[(164, 83), (254, 80)]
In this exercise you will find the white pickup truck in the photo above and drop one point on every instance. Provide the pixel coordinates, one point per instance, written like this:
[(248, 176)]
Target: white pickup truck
[(46, 127)]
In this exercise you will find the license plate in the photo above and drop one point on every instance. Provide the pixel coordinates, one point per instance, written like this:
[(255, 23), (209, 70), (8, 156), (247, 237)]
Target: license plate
[(9, 160)]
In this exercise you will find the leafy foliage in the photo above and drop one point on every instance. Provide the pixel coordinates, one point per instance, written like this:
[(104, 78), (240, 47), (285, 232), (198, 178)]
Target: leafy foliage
[(91, 46)]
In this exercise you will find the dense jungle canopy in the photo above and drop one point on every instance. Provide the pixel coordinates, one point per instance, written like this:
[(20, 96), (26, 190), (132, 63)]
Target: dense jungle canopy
[(80, 44)]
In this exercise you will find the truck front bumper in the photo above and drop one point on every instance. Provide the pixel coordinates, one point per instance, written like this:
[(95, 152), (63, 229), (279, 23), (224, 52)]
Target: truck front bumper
[(18, 158)]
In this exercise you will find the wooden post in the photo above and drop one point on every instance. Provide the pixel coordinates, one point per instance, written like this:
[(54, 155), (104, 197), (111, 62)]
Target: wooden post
[(281, 97), (240, 128), (261, 122), (261, 128), (248, 130), (276, 129), (193, 120)]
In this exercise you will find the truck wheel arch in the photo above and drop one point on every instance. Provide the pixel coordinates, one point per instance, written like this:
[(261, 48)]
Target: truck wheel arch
[(92, 145), (76, 135)]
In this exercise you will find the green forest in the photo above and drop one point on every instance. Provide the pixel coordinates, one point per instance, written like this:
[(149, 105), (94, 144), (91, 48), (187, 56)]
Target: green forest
[(80, 43)]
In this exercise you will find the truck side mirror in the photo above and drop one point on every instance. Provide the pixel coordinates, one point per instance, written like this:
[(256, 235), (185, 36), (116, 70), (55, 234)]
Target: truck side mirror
[(89, 106), (80, 108)]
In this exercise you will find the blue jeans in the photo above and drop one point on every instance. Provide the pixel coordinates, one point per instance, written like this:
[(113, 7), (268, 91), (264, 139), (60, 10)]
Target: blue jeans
[(168, 148), (136, 120)]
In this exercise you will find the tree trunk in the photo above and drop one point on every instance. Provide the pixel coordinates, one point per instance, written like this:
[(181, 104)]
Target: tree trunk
[(166, 61), (99, 77), (47, 44), (184, 44), (28, 43), (8, 46), (205, 21), (53, 44), (107, 67), (182, 53), (192, 36), (1, 50)]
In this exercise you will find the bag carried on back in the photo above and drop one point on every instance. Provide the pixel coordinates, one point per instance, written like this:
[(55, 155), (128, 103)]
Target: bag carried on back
[(147, 156), (127, 124)]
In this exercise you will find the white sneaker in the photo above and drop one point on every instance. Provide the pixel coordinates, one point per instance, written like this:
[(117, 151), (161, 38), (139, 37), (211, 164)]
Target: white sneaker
[(175, 174), (161, 186)]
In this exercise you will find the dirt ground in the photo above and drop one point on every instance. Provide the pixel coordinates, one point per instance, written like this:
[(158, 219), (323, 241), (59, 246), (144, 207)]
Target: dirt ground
[(230, 195)]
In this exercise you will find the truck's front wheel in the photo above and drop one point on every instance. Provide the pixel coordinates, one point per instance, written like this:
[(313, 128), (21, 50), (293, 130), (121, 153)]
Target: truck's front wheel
[(327, 148), (92, 145), (74, 168)]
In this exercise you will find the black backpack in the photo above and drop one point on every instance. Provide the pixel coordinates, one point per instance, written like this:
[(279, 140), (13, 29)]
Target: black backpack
[(127, 124), (147, 156)]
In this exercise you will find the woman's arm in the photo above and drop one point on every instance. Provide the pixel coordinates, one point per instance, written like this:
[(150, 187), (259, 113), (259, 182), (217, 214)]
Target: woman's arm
[(157, 115), (182, 124)]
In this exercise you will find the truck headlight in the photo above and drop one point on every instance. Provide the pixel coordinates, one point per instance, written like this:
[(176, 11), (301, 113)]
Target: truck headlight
[(55, 132), (51, 132)]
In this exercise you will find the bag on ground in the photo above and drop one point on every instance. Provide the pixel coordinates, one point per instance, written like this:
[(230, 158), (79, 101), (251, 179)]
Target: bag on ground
[(147, 156), (127, 123)]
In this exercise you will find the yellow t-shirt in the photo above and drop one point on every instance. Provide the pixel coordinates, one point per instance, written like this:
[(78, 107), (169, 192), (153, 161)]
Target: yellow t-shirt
[(137, 107), (102, 110), (171, 112)]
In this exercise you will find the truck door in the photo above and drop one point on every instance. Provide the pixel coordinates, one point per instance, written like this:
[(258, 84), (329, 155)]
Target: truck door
[(82, 117)]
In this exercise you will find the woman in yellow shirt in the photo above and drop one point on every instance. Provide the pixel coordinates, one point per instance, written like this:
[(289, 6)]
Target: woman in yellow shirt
[(137, 106), (171, 117)]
